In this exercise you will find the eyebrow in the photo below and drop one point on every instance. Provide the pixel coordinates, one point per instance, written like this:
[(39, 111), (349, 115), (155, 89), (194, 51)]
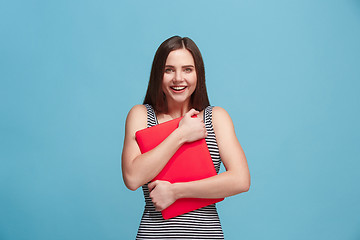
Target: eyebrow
[(185, 66)]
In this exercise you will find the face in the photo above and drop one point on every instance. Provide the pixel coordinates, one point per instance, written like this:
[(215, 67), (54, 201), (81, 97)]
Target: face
[(179, 81)]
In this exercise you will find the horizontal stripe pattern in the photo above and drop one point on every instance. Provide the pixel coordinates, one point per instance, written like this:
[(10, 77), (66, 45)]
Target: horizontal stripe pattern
[(199, 224)]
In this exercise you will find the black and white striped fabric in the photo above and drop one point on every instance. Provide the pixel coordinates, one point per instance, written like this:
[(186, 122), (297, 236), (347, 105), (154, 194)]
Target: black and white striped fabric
[(203, 223)]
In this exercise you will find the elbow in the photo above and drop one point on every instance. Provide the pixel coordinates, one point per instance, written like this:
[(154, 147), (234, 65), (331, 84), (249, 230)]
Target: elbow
[(245, 182), (132, 187), (243, 185), (243, 188), (131, 183)]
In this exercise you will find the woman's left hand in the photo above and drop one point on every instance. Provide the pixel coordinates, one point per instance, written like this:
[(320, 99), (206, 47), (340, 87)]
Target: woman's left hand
[(162, 194)]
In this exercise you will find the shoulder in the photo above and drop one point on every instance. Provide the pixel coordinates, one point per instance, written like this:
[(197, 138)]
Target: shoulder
[(138, 110), (221, 119), (219, 114), (137, 117)]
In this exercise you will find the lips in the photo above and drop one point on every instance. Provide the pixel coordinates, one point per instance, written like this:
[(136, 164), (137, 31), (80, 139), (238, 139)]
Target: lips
[(178, 88)]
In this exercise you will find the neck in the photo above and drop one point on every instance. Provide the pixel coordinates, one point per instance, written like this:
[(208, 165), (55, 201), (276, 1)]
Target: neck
[(176, 110)]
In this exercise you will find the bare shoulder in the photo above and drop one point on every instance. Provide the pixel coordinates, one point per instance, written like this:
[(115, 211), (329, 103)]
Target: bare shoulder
[(137, 118), (222, 122), (138, 110), (220, 116)]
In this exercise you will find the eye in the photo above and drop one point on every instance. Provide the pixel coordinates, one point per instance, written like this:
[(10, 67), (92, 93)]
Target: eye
[(168, 70), (188, 70)]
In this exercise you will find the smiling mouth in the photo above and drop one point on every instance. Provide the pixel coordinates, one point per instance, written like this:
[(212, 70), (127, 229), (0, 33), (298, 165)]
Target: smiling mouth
[(178, 89)]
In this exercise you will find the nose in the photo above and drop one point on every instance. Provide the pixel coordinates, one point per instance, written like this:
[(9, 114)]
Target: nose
[(178, 76)]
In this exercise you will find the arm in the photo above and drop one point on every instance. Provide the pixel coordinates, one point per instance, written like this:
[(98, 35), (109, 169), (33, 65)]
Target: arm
[(235, 180), (138, 168)]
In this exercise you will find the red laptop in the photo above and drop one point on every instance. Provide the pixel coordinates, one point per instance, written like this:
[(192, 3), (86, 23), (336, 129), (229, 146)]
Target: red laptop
[(191, 162)]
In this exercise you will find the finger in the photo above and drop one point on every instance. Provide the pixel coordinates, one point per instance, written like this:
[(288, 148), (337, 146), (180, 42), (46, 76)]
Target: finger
[(152, 185), (192, 112), (157, 208)]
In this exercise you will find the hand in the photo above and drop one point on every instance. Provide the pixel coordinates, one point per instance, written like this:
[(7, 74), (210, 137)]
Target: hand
[(161, 194), (193, 129)]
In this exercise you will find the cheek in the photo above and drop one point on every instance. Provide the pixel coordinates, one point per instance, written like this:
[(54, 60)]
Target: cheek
[(165, 82), (194, 81), (167, 78)]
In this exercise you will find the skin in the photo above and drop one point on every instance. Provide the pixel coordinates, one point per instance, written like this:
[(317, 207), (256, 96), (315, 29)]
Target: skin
[(138, 169), (179, 72)]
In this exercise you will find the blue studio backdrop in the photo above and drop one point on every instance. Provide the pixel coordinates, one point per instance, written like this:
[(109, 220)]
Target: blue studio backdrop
[(286, 71)]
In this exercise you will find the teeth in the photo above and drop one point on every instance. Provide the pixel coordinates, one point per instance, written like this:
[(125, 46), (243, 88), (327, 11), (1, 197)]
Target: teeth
[(178, 88)]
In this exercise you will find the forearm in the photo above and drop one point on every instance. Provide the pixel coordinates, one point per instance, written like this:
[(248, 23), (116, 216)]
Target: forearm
[(146, 166), (222, 185), (138, 168)]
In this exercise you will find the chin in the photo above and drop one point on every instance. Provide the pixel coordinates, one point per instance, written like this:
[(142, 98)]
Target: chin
[(180, 100)]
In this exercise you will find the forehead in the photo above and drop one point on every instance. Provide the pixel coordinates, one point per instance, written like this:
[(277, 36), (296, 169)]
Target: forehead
[(180, 57)]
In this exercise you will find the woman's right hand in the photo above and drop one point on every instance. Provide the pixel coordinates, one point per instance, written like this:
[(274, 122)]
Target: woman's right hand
[(192, 128)]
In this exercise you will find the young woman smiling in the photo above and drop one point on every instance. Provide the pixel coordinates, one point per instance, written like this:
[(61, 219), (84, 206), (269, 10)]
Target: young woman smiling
[(177, 88)]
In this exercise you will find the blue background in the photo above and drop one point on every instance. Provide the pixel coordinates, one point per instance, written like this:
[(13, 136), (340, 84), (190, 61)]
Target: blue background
[(287, 72)]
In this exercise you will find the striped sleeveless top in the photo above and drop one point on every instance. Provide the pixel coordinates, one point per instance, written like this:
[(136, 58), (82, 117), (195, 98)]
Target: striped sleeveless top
[(202, 223)]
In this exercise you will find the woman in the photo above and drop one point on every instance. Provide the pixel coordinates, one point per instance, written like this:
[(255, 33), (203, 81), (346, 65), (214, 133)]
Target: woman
[(177, 88)]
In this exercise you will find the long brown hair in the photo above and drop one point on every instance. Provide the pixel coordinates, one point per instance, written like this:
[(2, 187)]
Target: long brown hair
[(154, 94)]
